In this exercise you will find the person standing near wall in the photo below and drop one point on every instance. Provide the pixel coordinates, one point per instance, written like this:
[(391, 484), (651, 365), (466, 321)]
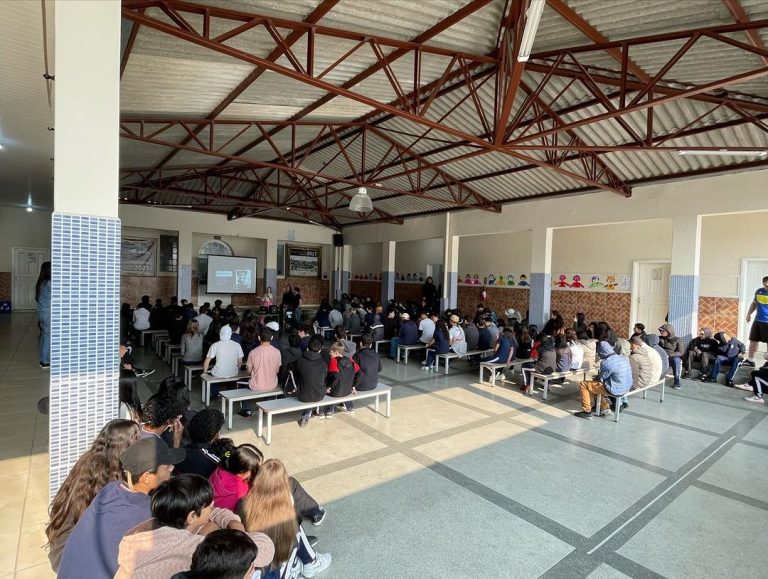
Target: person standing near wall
[(429, 293), (759, 330), (43, 299)]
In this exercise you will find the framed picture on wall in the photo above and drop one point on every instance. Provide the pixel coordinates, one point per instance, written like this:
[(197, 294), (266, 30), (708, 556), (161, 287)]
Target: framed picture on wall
[(138, 257), (303, 261)]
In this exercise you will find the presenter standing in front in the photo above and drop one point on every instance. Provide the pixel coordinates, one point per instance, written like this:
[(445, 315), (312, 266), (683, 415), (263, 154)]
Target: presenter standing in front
[(759, 330), (43, 299)]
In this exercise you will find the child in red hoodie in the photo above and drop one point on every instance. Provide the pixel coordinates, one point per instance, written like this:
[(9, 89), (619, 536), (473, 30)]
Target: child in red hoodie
[(343, 377)]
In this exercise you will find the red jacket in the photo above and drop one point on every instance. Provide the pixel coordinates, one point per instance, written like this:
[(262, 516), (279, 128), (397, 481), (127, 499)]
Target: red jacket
[(343, 376)]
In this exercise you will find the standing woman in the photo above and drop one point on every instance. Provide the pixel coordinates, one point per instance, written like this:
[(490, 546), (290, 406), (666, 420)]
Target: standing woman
[(429, 293), (43, 299)]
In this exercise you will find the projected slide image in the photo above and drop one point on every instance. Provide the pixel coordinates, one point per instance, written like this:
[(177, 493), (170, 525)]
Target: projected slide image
[(243, 279), (231, 275)]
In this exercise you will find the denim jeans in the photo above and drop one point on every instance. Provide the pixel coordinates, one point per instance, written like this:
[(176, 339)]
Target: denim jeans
[(45, 339), (393, 344), (731, 371), (676, 363)]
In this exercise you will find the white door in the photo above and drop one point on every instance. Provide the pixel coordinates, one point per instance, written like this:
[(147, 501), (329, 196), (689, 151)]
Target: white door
[(752, 273), (650, 296), (25, 269)]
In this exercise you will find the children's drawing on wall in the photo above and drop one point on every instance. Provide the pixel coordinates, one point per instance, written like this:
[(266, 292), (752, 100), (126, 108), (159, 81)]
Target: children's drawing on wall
[(490, 280), (476, 280), (561, 281), (610, 283), (500, 279), (510, 280), (625, 283), (595, 282), (397, 277), (523, 281), (576, 283)]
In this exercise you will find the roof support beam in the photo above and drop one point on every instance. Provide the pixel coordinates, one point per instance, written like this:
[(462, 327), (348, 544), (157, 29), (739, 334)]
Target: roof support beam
[(740, 16)]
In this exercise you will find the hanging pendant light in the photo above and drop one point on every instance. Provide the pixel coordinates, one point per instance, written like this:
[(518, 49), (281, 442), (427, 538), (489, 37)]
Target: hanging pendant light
[(361, 203)]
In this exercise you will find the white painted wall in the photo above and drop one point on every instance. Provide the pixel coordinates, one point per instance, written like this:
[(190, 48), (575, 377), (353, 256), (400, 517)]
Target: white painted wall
[(500, 253), (21, 229), (414, 256), (366, 258), (725, 240)]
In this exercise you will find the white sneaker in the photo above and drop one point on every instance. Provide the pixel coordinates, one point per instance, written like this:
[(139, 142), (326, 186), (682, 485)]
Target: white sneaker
[(756, 399), (499, 375), (321, 563), (743, 387)]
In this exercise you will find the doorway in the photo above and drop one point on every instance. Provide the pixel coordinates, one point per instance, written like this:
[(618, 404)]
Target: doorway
[(753, 270), (25, 269), (650, 293)]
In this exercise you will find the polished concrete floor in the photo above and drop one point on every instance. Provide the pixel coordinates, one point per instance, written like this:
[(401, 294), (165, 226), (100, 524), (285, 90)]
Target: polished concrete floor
[(466, 480)]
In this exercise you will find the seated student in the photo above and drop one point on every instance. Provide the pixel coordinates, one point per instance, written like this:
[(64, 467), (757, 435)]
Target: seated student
[(322, 318), (130, 404), (304, 333), (264, 366), (440, 344), (204, 320), (674, 348), (493, 329), (456, 336), (370, 315), (203, 431), (546, 361), (484, 335), (354, 320), (189, 311), (730, 351), (471, 333), (268, 508), (407, 336), (192, 344), (236, 335), (335, 317), (640, 363), (343, 378), (758, 384), (276, 343), (614, 379), (238, 467), (524, 344), (562, 354), (176, 327), (183, 513), (589, 346), (116, 509), (312, 372), (249, 335), (369, 362), (341, 336), (161, 414), (576, 349), (223, 554), (157, 319), (504, 352), (391, 325), (141, 317), (702, 348), (288, 358), (638, 331), (652, 340), (228, 355), (98, 466), (217, 309), (426, 328)]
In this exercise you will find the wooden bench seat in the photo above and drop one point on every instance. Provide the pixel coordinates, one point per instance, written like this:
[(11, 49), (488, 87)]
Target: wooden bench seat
[(208, 379), (229, 397), (493, 367), (408, 349), (451, 355), (617, 411), (545, 379), (285, 405)]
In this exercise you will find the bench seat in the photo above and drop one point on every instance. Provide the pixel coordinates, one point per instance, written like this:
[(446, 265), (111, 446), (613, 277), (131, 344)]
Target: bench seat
[(617, 412), (377, 342), (545, 378), (284, 405), (208, 379), (451, 355), (188, 373), (151, 333), (229, 397), (408, 349), (492, 367)]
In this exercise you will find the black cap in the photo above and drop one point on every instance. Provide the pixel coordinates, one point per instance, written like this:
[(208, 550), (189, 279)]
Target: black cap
[(146, 454)]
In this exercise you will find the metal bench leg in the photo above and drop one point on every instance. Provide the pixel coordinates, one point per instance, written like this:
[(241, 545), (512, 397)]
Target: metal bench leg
[(598, 403), (376, 404), (398, 354), (663, 385), (260, 426), (269, 428), (389, 404), (481, 373), (493, 377), (446, 365), (618, 409), (207, 394), (406, 356), (545, 389)]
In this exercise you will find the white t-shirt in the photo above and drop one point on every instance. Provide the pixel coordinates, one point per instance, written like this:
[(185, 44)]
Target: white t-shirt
[(141, 319), (204, 321), (226, 353), (577, 355), (458, 341), (427, 329)]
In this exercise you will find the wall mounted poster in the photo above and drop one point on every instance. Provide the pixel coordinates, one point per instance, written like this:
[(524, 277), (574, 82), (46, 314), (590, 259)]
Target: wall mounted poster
[(303, 261), (138, 256)]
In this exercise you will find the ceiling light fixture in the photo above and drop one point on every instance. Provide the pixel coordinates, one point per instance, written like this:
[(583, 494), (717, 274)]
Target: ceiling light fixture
[(532, 17), (361, 203), (724, 153)]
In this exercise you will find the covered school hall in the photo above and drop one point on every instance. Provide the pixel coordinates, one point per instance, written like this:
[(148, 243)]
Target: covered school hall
[(534, 158)]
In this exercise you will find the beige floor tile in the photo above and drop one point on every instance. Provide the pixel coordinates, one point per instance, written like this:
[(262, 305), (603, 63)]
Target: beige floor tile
[(35, 510), (12, 511), (31, 547), (38, 482), (13, 486), (466, 442), (42, 571), (16, 465), (9, 543)]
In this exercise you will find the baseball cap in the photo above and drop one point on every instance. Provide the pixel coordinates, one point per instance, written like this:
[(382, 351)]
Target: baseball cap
[(274, 326), (510, 312), (146, 454)]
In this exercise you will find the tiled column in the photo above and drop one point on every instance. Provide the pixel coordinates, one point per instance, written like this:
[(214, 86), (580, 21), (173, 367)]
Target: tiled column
[(346, 269), (684, 280), (85, 231), (541, 277), (270, 266), (387, 271), (184, 271), (450, 282)]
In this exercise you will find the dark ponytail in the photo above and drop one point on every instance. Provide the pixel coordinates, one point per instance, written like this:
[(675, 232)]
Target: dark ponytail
[(237, 459)]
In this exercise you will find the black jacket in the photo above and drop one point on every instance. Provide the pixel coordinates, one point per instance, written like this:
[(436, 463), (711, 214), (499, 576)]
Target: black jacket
[(311, 373), (199, 460), (370, 366), (343, 375)]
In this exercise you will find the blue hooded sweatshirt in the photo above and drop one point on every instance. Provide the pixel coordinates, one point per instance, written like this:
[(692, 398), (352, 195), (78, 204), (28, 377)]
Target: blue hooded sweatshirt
[(91, 549), (615, 372)]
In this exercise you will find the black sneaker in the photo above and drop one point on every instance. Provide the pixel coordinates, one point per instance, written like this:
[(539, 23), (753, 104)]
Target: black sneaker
[(749, 363), (317, 520), (45, 366), (143, 373), (705, 378), (676, 386), (582, 414), (624, 405), (302, 424), (245, 413), (729, 383)]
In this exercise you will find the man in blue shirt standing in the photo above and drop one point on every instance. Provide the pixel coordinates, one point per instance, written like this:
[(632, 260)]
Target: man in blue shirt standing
[(613, 379), (759, 330)]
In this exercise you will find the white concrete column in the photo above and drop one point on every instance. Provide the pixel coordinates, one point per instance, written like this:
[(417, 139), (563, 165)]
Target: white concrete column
[(184, 267), (344, 270), (684, 279), (450, 281), (85, 230), (388, 249), (540, 295), (270, 266)]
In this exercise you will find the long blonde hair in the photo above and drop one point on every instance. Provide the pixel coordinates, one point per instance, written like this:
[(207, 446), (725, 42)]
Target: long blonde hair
[(193, 327), (268, 508)]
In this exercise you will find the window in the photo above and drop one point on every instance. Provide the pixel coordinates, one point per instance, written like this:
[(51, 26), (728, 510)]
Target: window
[(281, 259), (169, 253), (212, 247)]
